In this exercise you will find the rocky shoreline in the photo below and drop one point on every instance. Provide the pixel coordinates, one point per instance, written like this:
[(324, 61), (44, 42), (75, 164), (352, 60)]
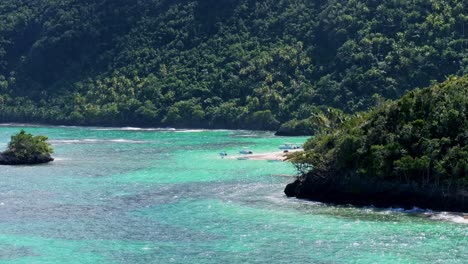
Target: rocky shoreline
[(8, 159), (379, 194)]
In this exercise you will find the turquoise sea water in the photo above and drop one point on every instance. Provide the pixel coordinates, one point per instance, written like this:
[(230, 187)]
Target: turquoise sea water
[(148, 196)]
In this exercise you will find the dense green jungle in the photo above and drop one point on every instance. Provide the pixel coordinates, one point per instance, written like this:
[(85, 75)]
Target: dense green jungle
[(413, 151), (221, 64)]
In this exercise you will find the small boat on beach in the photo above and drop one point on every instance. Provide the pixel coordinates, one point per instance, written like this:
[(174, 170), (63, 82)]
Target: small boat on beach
[(290, 146), (245, 151)]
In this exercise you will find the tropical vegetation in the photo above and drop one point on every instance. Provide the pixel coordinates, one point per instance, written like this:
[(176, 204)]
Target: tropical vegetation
[(24, 148), (231, 63), (420, 140)]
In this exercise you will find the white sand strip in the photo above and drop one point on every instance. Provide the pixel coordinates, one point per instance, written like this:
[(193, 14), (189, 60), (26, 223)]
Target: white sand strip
[(271, 156)]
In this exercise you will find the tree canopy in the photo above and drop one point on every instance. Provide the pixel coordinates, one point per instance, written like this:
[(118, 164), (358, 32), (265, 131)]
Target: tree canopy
[(24, 145), (24, 148), (420, 139), (230, 63)]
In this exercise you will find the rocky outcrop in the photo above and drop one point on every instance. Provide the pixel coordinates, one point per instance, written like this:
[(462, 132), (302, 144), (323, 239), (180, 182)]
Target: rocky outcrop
[(9, 159), (380, 194), (289, 132)]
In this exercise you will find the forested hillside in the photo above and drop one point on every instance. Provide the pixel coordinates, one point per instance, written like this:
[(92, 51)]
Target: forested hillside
[(410, 152), (219, 63)]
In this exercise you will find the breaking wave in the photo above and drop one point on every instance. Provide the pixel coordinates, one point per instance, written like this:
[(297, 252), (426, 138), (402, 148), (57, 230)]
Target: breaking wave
[(134, 129), (94, 141)]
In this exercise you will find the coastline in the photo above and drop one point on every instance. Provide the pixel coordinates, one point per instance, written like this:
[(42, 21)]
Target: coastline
[(268, 156), (362, 193), (140, 127)]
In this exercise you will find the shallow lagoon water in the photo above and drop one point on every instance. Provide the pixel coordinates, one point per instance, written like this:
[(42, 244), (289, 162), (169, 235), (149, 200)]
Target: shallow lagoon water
[(152, 196)]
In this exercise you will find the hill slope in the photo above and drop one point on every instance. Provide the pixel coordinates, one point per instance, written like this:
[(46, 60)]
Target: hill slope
[(230, 63)]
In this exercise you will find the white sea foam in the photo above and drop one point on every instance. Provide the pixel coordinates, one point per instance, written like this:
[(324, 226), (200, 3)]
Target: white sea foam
[(199, 130), (94, 141), (190, 131), (133, 129), (451, 217), (18, 125), (60, 159), (434, 215), (65, 141)]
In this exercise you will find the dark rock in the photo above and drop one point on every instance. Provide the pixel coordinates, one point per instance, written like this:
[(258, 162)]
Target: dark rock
[(379, 194), (288, 132), (6, 159), (291, 189)]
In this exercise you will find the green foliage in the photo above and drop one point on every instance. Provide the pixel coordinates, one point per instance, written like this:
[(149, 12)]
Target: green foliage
[(24, 145), (231, 63), (319, 120), (420, 139)]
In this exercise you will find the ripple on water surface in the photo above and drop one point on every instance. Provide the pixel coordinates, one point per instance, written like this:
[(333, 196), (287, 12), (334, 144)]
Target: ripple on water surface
[(129, 195)]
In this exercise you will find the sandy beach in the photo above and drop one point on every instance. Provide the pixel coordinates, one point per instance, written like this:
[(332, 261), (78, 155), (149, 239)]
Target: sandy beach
[(269, 156)]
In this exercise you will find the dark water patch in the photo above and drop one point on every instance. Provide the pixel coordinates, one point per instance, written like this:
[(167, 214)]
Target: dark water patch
[(121, 229), (204, 254), (207, 190), (216, 146), (11, 252), (259, 195), (77, 222)]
